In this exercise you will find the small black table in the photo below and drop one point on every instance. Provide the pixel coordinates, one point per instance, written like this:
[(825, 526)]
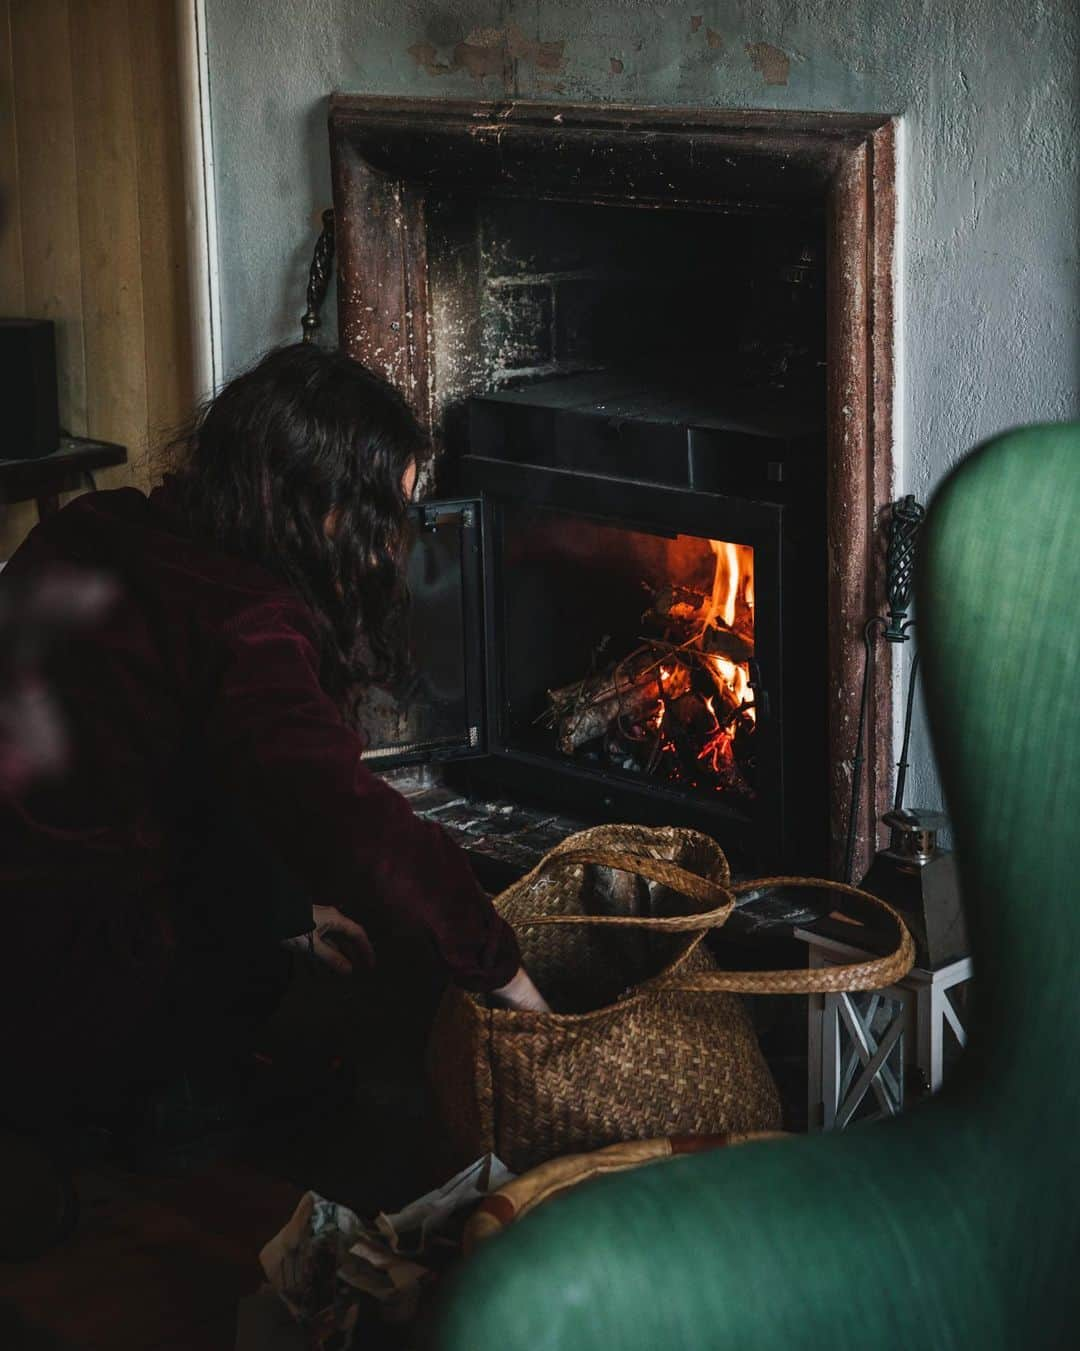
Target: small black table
[(42, 480)]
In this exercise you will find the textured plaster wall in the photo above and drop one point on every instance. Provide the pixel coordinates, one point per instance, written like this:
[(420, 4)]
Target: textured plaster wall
[(989, 317)]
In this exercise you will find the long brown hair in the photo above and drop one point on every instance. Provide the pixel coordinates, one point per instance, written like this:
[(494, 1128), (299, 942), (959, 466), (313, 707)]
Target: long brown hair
[(305, 433)]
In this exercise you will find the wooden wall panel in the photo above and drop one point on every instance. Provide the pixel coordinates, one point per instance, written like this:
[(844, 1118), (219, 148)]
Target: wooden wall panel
[(170, 387), (48, 192), (19, 518), (109, 224), (90, 159), (12, 295)]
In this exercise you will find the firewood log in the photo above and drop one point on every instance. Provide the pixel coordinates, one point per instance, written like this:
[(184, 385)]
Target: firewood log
[(690, 722), (584, 710), (677, 604), (634, 703), (605, 684), (720, 641)]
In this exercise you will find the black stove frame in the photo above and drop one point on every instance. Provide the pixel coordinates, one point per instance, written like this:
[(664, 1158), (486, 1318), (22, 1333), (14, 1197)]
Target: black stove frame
[(780, 829)]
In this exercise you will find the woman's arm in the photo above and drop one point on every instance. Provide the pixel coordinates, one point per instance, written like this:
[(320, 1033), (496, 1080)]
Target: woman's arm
[(521, 993), (279, 746)]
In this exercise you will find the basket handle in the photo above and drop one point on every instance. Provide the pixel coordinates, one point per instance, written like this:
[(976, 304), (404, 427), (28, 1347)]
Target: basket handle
[(717, 896), (849, 977)]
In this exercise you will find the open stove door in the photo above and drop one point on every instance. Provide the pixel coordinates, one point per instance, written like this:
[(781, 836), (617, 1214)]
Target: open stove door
[(441, 715)]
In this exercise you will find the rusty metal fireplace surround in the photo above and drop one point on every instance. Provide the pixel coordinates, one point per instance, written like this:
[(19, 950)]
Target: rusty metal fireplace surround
[(485, 246)]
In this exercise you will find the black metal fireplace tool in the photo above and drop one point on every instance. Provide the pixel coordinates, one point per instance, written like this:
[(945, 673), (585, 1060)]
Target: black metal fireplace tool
[(913, 873), (907, 516)]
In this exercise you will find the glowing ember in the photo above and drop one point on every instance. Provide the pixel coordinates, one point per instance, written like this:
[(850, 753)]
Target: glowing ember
[(718, 752)]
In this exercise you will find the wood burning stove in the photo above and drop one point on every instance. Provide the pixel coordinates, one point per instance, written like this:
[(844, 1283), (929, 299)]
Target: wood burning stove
[(628, 645)]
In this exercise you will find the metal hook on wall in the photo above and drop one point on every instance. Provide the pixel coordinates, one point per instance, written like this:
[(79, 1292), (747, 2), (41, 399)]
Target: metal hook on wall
[(322, 263)]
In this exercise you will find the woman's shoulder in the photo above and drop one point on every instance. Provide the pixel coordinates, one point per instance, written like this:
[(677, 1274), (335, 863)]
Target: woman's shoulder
[(160, 566), (282, 614)]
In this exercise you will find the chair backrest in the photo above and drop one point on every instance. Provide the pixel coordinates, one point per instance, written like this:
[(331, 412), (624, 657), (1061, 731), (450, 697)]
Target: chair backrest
[(958, 1224), (999, 627)]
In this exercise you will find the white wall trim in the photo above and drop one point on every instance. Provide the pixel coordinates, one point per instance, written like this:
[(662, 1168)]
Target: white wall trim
[(901, 659), (899, 408), (200, 196)]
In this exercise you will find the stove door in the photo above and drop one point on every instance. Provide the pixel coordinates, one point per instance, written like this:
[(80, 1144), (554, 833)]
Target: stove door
[(441, 716)]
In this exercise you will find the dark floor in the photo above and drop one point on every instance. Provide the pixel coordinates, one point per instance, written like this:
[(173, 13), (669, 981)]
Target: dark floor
[(162, 1253), (155, 1263)]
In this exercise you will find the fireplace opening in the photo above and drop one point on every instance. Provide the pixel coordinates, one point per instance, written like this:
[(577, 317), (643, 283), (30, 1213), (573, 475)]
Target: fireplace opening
[(654, 351), (623, 387), (630, 387), (632, 652)]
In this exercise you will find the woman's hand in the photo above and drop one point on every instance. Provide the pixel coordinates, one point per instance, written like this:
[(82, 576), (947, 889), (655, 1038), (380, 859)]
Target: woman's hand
[(520, 993), (336, 941)]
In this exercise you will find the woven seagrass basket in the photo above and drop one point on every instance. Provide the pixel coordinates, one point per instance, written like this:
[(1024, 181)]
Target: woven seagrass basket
[(646, 1036)]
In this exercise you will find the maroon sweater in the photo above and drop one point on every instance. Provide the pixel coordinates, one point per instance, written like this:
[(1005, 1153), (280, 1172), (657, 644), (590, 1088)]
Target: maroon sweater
[(206, 673)]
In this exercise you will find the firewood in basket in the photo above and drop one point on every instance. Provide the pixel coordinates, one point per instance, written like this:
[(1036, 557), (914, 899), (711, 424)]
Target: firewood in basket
[(609, 891)]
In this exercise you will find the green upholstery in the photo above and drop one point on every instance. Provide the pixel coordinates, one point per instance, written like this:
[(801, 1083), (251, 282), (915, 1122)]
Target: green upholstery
[(958, 1224)]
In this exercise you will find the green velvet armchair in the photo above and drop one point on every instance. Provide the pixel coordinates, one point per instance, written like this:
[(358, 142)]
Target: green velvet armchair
[(958, 1224)]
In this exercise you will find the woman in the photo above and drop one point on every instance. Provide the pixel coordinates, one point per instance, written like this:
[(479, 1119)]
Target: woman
[(215, 807)]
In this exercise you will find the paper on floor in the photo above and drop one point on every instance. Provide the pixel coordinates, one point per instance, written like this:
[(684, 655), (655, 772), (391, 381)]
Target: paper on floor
[(326, 1255)]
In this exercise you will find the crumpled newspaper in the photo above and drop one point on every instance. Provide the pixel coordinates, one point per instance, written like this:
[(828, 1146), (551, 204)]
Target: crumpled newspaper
[(326, 1257)]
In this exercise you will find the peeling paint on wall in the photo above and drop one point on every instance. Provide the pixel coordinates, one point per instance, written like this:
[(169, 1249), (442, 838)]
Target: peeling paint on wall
[(489, 52), (774, 65)]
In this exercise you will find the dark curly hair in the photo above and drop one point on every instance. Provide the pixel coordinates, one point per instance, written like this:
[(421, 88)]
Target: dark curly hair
[(305, 435)]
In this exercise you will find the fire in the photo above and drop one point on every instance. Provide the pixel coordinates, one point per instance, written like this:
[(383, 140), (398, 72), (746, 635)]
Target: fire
[(732, 583), (732, 603), (725, 587), (681, 705), (733, 676), (726, 621), (719, 752), (674, 681)]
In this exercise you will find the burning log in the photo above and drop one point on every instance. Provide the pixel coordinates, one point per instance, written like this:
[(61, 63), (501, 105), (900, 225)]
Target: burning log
[(628, 691), (681, 612), (602, 686), (720, 641), (677, 605), (638, 704), (691, 721), (681, 705), (635, 702)]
